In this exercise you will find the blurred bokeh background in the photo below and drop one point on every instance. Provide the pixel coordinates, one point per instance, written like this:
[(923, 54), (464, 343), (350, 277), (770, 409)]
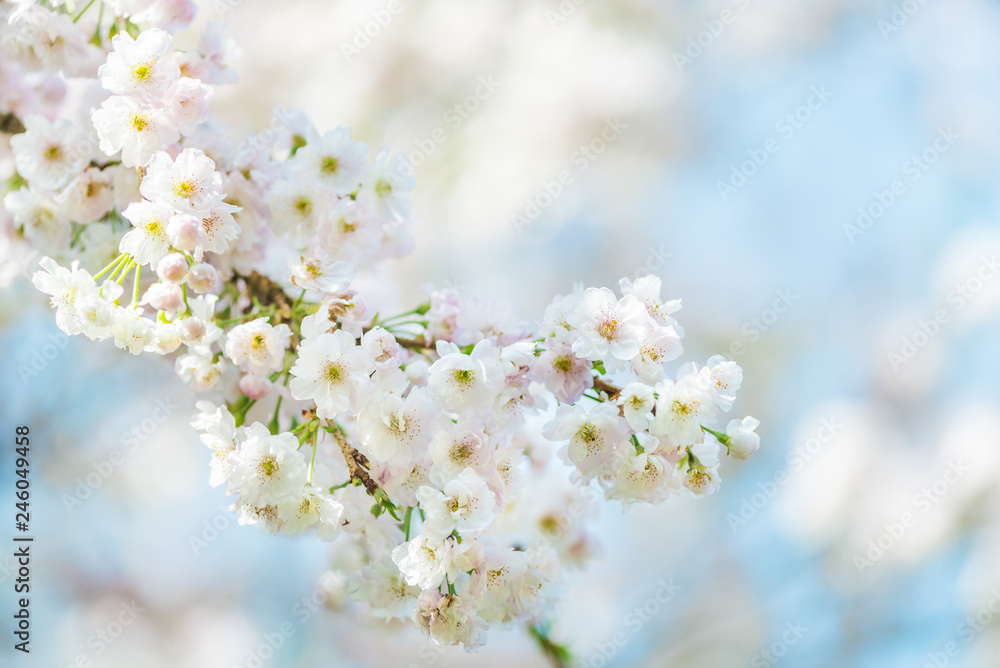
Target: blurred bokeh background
[(817, 182)]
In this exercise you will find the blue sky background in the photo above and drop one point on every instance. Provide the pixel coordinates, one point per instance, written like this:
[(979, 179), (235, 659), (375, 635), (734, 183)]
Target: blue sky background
[(783, 230)]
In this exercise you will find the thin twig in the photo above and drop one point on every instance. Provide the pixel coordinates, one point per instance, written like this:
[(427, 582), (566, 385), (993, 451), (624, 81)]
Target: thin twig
[(413, 344), (612, 391), (357, 463)]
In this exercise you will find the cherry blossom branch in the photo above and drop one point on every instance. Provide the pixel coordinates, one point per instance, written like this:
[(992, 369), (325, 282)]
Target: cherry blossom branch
[(254, 322), (413, 344), (267, 292), (357, 468), (357, 463), (602, 385)]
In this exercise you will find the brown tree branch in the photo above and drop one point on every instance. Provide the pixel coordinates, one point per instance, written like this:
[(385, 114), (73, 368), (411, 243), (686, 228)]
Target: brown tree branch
[(267, 292), (357, 463), (602, 385), (412, 344)]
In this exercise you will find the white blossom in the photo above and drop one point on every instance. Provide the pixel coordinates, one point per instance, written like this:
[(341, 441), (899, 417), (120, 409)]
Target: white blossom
[(49, 155), (465, 504), (426, 560), (126, 125), (609, 329), (141, 67), (147, 242), (593, 435), (267, 469), (331, 370), (332, 161), (257, 346)]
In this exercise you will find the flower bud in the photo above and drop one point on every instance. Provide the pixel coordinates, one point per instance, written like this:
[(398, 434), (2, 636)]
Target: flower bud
[(164, 297), (743, 442), (254, 386), (184, 231), (172, 268), (204, 278), (191, 330)]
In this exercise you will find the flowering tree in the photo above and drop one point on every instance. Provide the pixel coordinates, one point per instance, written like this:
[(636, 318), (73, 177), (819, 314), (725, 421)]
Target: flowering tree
[(416, 443)]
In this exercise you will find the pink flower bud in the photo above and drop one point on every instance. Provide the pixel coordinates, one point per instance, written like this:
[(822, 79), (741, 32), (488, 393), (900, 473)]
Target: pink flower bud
[(254, 386), (164, 297), (204, 278), (184, 231), (172, 268), (191, 330)]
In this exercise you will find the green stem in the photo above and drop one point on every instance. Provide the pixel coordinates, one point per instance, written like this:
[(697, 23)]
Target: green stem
[(722, 438), (396, 325), (111, 265), (305, 425), (98, 37), (312, 460), (341, 486), (120, 272), (299, 300), (311, 428), (76, 235), (272, 426), (135, 286), (382, 321), (250, 316), (240, 407), (406, 522), (83, 11)]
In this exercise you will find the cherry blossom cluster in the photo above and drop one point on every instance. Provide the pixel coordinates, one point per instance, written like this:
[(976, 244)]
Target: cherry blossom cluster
[(419, 444)]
